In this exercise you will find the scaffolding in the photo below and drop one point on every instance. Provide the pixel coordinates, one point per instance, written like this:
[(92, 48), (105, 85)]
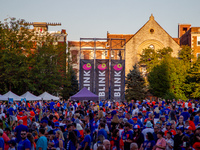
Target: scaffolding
[(102, 48)]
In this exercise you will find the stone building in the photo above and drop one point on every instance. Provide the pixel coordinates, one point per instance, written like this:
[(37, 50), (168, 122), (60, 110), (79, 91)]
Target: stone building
[(151, 34)]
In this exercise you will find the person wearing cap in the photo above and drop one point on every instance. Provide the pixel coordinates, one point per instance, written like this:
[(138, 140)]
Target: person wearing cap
[(138, 137), (148, 128), (1, 140), (189, 133), (168, 129), (163, 119), (127, 136), (12, 145), (56, 127), (23, 116), (178, 138)]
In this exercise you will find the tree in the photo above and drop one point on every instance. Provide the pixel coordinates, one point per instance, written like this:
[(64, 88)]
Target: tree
[(167, 79), (71, 84), (14, 46), (151, 57), (30, 61), (192, 84), (186, 54), (135, 85)]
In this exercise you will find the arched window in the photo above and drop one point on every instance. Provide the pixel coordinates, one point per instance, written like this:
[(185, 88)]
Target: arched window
[(151, 46)]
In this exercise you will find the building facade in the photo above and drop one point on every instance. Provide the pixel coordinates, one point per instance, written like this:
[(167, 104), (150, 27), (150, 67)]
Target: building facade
[(150, 35), (190, 36)]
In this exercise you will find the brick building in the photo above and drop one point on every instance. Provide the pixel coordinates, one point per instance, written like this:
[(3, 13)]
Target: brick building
[(190, 36), (41, 29), (152, 35)]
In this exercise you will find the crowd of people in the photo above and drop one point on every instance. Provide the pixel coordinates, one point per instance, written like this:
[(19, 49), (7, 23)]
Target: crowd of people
[(102, 125)]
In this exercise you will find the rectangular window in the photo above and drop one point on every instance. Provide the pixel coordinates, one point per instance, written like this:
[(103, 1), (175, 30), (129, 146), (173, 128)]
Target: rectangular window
[(198, 55), (112, 53), (106, 53), (198, 40)]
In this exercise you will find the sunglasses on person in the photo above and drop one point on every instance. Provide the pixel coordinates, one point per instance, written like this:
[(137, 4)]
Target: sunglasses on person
[(23, 133)]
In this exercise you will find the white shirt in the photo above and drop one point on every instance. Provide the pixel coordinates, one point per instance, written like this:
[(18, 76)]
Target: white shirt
[(135, 111), (2, 115), (171, 142)]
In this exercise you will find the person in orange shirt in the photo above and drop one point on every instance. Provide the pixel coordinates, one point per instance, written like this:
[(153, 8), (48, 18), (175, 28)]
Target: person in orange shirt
[(56, 114), (191, 123), (23, 116), (32, 114)]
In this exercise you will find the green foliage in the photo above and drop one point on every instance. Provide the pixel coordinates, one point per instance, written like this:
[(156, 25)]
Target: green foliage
[(30, 61), (167, 79), (14, 45), (152, 58), (192, 84), (186, 54), (71, 84), (135, 85)]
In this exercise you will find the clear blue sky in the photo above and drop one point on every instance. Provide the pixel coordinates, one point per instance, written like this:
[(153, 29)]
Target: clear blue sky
[(93, 18)]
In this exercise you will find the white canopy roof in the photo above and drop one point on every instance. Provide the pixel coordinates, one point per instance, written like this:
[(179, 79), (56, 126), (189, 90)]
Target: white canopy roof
[(47, 96), (30, 97), (3, 98), (13, 95)]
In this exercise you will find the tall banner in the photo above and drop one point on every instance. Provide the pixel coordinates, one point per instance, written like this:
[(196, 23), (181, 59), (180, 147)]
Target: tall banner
[(102, 78), (86, 76), (117, 80)]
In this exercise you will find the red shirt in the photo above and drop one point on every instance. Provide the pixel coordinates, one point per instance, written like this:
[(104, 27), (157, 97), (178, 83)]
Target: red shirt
[(24, 118), (191, 123)]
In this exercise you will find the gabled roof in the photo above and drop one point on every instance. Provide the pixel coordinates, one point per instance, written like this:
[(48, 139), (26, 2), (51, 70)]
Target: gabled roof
[(151, 18)]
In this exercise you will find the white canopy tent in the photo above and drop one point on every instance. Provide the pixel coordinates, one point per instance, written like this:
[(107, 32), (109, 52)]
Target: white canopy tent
[(3, 98), (47, 96), (30, 97), (13, 95)]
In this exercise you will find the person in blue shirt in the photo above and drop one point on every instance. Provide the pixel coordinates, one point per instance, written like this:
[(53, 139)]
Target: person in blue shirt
[(85, 145), (127, 136), (72, 143), (11, 113), (1, 140), (129, 119), (42, 141), (185, 114), (102, 130), (52, 105), (149, 143), (100, 104), (121, 115), (18, 130), (24, 144)]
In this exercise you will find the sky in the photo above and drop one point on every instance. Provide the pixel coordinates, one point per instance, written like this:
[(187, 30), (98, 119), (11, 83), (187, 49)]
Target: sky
[(93, 18)]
